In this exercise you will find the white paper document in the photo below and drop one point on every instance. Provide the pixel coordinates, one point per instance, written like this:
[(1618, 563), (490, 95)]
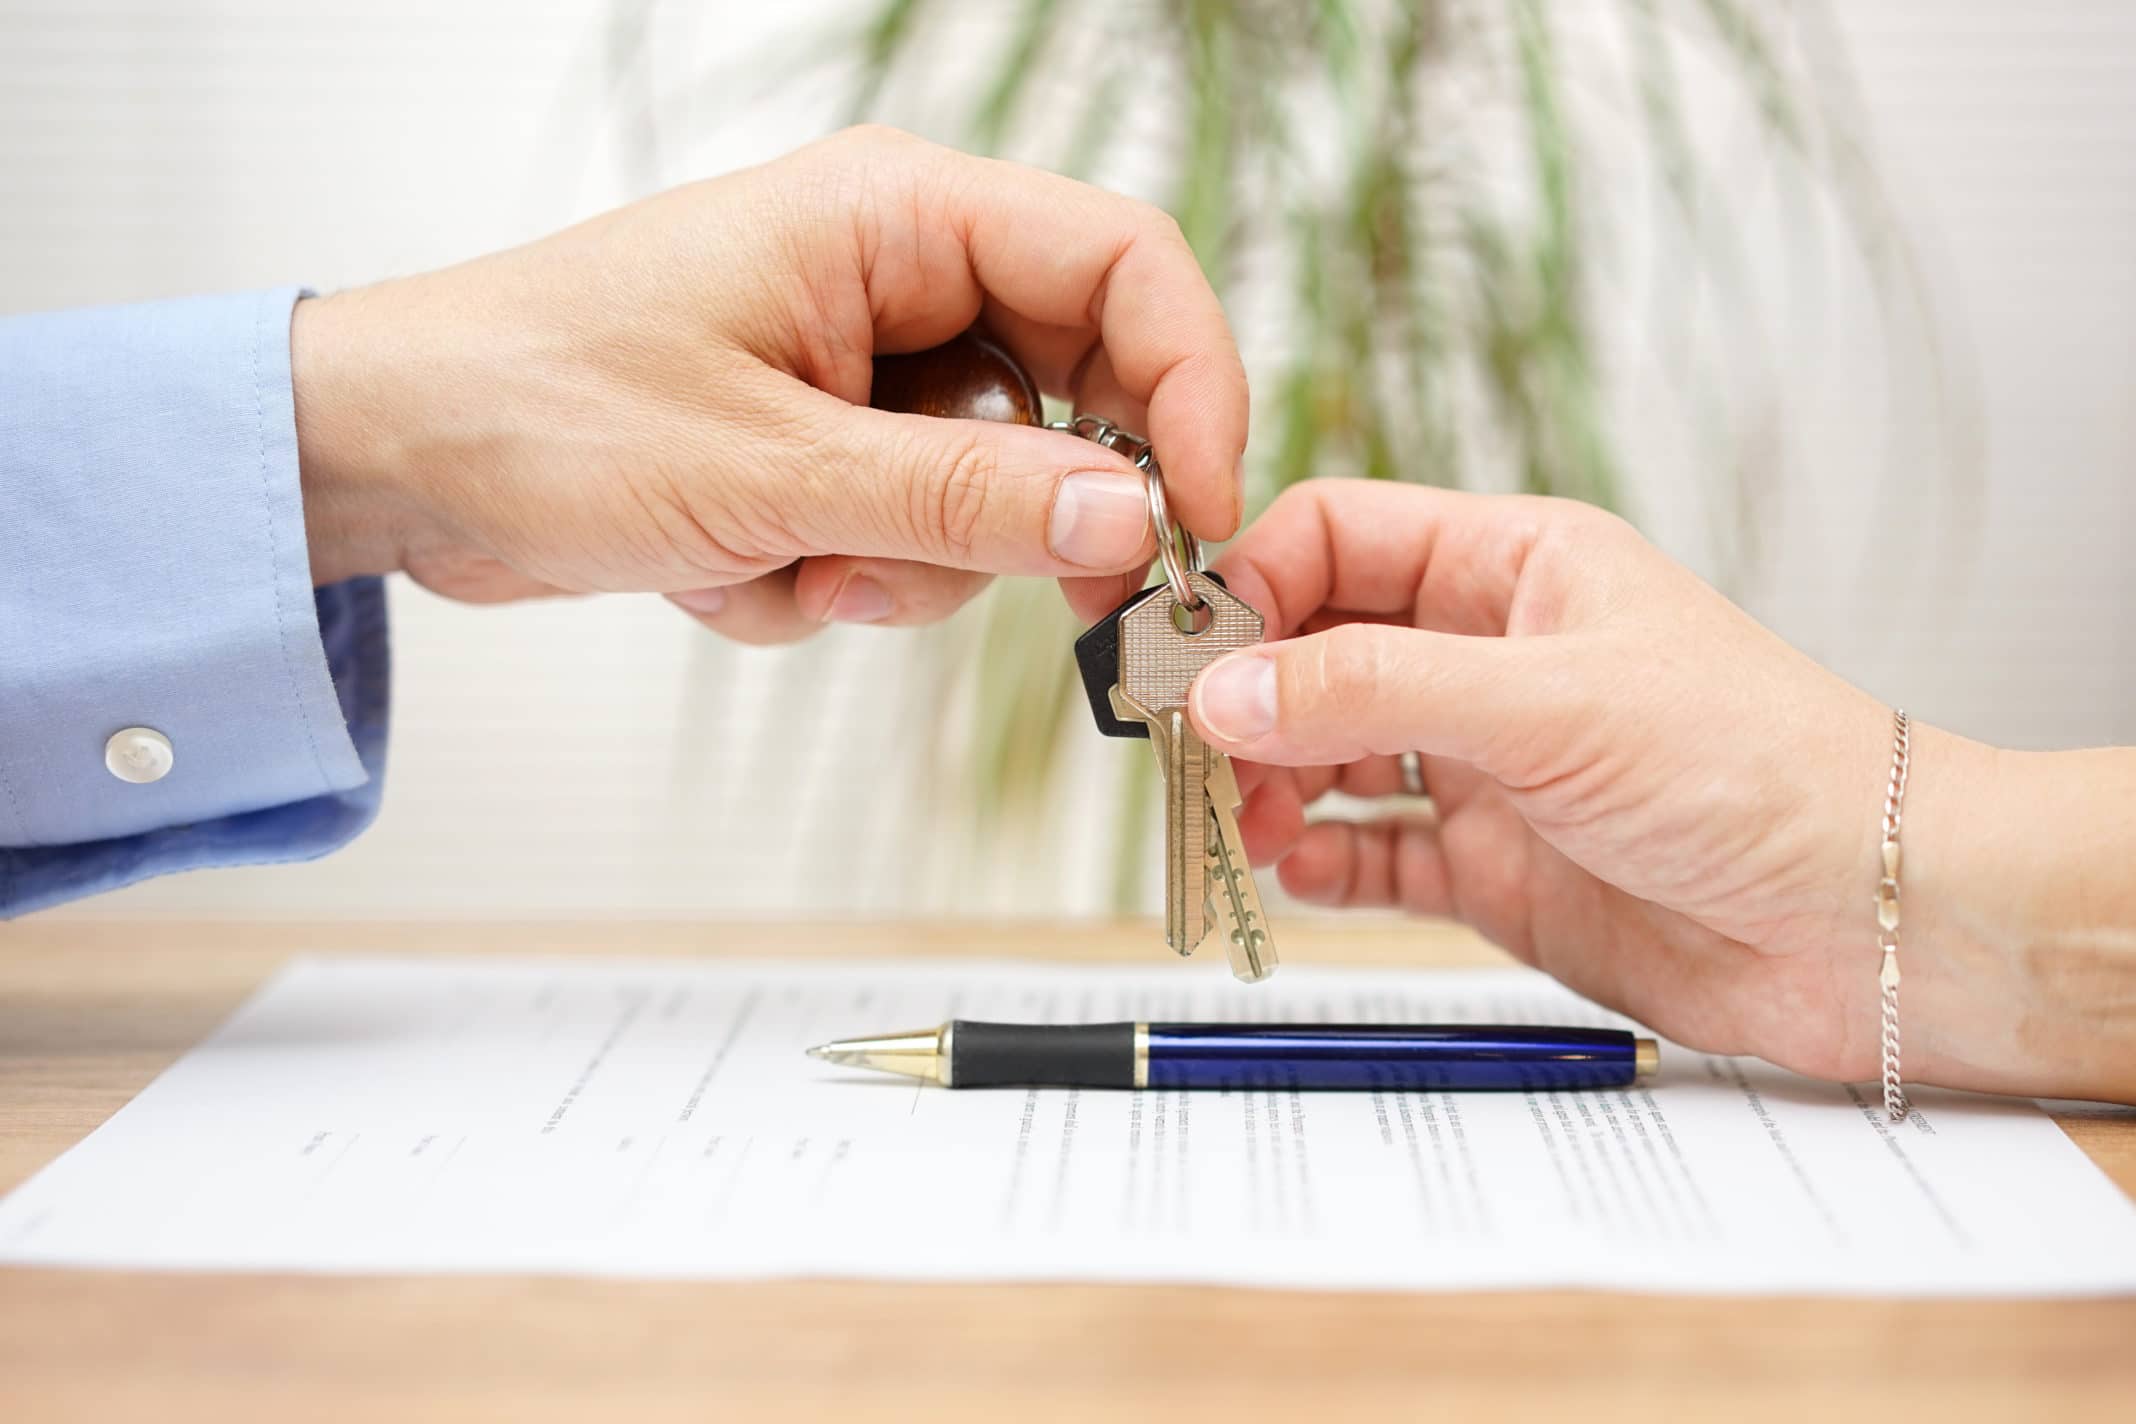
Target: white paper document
[(660, 1119)]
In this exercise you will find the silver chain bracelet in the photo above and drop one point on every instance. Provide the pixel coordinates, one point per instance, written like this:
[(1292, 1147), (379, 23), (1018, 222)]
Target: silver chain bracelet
[(1887, 915)]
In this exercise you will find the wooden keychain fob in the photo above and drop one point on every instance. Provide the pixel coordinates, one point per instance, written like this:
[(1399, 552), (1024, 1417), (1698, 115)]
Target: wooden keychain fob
[(968, 377)]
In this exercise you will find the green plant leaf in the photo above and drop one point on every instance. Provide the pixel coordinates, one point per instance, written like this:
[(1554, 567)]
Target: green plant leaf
[(882, 42), (1034, 27)]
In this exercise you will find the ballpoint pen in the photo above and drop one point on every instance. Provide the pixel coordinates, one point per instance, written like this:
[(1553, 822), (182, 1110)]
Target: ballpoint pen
[(967, 1054)]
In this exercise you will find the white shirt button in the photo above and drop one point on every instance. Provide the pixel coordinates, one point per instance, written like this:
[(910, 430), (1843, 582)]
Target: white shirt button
[(139, 754)]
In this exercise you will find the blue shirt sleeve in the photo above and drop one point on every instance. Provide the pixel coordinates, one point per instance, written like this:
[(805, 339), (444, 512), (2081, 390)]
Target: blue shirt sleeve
[(153, 574)]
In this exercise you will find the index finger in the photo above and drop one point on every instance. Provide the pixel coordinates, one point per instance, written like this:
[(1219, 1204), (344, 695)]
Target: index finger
[(1086, 268), (1432, 558)]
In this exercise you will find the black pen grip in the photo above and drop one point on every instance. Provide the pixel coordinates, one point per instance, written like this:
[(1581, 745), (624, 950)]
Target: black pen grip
[(998, 1055)]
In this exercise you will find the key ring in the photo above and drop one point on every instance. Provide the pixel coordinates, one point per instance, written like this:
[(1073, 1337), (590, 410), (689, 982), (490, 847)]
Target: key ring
[(1170, 537)]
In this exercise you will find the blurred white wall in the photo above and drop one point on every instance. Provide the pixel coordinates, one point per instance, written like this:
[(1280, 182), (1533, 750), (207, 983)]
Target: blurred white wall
[(2007, 135), (606, 757)]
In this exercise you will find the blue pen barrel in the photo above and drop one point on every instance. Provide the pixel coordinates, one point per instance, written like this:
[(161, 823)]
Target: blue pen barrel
[(1464, 1058)]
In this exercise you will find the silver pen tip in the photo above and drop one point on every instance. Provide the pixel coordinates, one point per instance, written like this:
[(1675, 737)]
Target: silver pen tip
[(914, 1055)]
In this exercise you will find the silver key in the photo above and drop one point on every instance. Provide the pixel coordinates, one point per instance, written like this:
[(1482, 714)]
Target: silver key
[(1234, 900), (1163, 645), (1182, 760)]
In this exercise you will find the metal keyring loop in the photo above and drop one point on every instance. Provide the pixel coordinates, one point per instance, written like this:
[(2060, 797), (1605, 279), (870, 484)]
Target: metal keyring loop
[(1170, 536)]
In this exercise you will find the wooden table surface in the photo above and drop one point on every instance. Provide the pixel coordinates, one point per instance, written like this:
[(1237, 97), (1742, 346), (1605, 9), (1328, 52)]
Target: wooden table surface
[(91, 1011)]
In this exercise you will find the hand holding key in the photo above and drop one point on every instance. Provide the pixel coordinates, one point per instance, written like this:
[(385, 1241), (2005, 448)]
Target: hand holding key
[(1639, 789), (1633, 785), (674, 397), (1139, 661)]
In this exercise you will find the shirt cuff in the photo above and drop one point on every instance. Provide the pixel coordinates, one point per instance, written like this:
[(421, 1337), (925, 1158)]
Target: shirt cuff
[(154, 574), (352, 625)]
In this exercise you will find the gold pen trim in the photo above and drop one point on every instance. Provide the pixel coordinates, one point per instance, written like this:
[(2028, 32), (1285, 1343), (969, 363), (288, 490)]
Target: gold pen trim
[(1646, 1059), (1142, 1055)]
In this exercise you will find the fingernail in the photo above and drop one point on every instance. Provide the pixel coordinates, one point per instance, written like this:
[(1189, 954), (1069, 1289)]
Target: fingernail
[(859, 599), (1099, 520), (701, 600), (1236, 698)]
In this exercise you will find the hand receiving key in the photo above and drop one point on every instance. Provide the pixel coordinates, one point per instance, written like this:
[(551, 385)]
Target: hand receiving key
[(1138, 662)]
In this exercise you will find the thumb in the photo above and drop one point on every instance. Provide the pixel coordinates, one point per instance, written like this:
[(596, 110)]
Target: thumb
[(1365, 689), (971, 494)]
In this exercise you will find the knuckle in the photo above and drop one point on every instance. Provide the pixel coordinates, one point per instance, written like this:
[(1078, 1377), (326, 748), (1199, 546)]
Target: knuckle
[(871, 137), (856, 160), (1587, 522), (1160, 224), (938, 594), (951, 497), (1307, 496), (1352, 661), (770, 634), (1605, 525), (663, 521), (1607, 548)]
